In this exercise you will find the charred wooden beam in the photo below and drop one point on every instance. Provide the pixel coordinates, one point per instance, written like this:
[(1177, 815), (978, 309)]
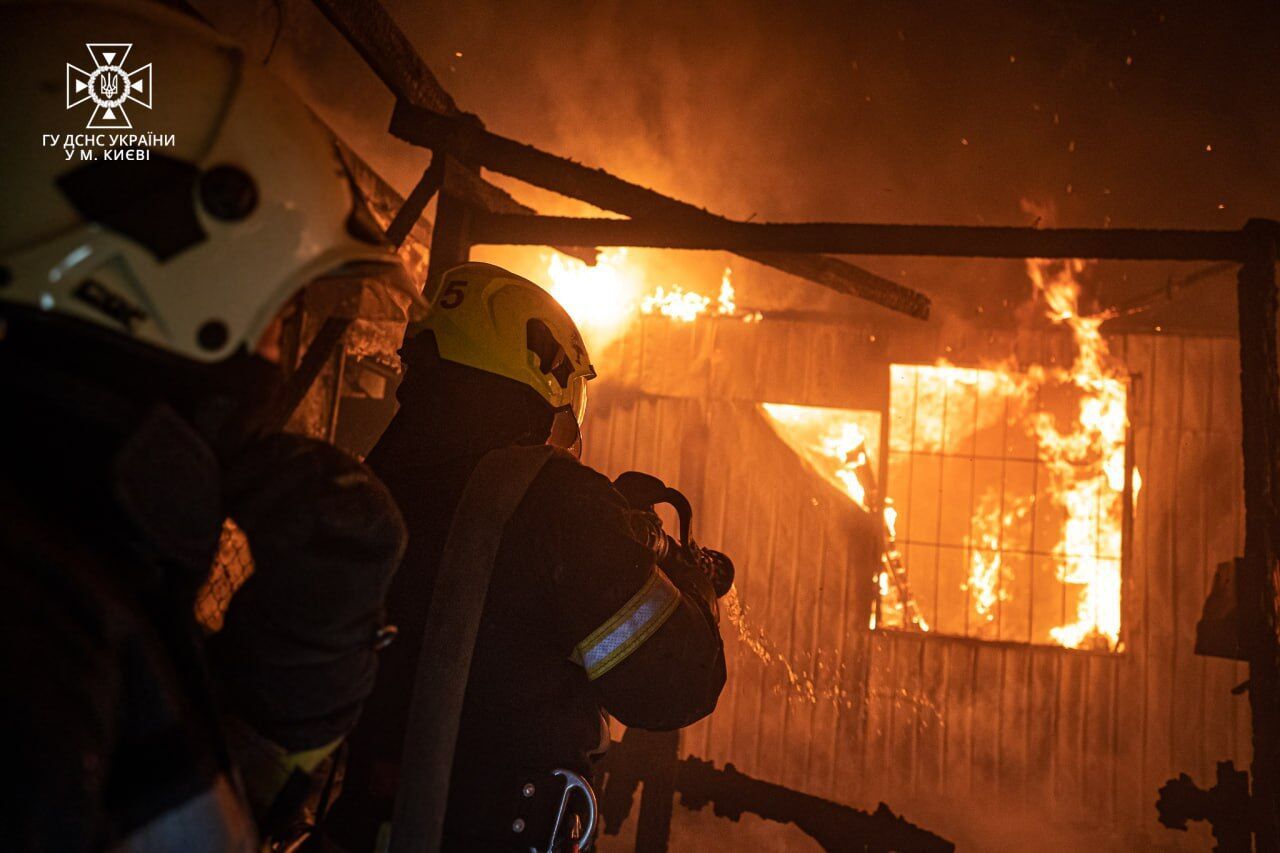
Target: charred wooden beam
[(709, 232), (533, 165), (630, 763), (596, 186), (1165, 294), (380, 194), (411, 209), (467, 185), (383, 46), (844, 277)]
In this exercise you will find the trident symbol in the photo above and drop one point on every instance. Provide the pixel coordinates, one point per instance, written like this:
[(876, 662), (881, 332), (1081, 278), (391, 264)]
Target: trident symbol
[(110, 85)]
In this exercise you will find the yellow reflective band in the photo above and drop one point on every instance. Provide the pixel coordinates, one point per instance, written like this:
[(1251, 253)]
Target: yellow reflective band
[(625, 631)]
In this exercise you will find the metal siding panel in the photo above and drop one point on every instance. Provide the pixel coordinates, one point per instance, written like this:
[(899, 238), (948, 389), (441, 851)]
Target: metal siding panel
[(1014, 725), (1132, 796), (1015, 704), (1158, 544), (1188, 556)]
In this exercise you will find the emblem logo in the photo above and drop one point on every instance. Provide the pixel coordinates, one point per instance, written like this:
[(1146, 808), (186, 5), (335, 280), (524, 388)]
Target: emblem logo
[(109, 86)]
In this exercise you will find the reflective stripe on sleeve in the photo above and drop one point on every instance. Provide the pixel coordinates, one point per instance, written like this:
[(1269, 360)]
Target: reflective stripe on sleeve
[(624, 632)]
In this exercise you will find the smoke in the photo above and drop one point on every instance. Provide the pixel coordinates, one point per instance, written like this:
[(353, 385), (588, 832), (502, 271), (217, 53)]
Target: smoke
[(890, 112), (1118, 114)]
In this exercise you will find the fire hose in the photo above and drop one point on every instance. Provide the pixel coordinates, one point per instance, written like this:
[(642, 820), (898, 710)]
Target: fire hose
[(645, 492)]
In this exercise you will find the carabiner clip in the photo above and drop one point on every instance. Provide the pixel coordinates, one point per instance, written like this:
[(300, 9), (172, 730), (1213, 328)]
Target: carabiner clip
[(574, 782)]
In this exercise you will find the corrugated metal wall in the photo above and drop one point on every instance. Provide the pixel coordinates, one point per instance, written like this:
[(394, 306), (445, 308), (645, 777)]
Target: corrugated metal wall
[(992, 743)]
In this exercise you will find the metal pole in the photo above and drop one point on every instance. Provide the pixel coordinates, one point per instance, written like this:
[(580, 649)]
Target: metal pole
[(1260, 409), (450, 243)]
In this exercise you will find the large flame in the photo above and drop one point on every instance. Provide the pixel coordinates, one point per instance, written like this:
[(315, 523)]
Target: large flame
[(1084, 453), (601, 299), (1079, 443), (604, 299), (1086, 462)]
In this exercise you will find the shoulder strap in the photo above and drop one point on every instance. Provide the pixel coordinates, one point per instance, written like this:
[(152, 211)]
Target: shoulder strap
[(488, 501)]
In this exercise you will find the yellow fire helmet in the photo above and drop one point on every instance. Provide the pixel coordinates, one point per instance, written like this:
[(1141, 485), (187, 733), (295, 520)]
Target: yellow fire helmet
[(493, 320)]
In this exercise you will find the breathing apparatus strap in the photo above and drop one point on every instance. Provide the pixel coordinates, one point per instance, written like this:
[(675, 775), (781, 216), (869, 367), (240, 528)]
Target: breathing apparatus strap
[(490, 498)]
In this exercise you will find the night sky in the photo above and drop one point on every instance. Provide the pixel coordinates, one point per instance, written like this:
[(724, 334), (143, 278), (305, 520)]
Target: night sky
[(1067, 113)]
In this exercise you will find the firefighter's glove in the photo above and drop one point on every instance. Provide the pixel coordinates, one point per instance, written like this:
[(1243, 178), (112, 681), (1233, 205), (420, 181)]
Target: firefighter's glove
[(296, 656), (646, 528)]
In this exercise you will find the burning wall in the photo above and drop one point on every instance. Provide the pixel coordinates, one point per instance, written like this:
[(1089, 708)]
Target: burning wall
[(1004, 486), (945, 728)]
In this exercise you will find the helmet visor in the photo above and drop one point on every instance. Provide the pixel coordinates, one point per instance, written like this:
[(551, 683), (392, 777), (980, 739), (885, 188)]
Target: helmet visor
[(578, 397), (565, 432)]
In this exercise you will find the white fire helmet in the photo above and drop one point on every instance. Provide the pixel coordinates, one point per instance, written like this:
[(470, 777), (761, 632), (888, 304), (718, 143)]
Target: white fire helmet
[(240, 200)]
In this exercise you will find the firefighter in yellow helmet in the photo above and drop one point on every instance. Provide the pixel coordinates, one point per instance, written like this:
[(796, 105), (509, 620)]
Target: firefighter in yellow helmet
[(133, 298), (580, 622)]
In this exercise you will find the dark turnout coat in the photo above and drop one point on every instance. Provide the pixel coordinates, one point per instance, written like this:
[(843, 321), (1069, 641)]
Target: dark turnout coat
[(567, 564)]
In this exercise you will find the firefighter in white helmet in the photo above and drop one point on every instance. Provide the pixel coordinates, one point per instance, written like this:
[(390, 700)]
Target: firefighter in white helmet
[(581, 621), (134, 300)]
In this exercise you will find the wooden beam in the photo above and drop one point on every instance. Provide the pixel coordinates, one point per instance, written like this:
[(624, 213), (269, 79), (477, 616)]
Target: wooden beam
[(467, 185), (598, 187), (533, 165), (377, 38), (382, 197), (386, 50), (411, 209), (710, 232)]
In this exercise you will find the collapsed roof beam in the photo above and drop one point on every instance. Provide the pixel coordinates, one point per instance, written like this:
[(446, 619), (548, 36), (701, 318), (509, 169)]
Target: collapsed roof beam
[(711, 232), (471, 142)]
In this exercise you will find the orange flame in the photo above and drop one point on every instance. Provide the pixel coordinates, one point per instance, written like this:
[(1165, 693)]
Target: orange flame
[(1086, 461), (677, 303), (604, 299), (600, 299), (832, 441)]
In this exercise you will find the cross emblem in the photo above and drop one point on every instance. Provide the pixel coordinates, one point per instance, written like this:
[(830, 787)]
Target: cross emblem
[(109, 86)]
